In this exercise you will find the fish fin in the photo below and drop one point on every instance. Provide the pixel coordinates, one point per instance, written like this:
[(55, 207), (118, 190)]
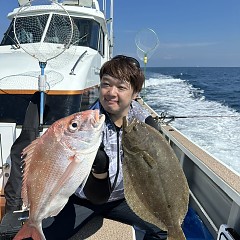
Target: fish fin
[(27, 154), (30, 147), (64, 179), (175, 232), (151, 162), (30, 231)]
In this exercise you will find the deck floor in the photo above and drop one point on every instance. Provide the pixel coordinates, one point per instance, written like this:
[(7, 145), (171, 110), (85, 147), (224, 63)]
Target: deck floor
[(105, 229)]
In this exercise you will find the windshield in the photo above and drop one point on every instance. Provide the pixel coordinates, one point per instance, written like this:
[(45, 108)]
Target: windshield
[(85, 31)]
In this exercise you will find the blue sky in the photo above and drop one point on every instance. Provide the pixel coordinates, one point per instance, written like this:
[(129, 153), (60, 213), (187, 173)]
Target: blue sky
[(191, 32)]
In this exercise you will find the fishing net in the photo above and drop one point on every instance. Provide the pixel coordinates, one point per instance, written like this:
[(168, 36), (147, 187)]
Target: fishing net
[(46, 35), (30, 80), (147, 42), (44, 30), (66, 57)]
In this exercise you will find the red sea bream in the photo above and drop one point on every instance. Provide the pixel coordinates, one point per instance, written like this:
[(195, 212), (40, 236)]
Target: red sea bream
[(55, 165)]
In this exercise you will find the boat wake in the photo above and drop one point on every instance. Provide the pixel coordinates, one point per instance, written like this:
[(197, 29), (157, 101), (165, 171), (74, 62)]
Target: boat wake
[(210, 124)]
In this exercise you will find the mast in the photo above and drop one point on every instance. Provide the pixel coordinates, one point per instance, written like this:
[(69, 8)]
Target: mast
[(111, 30)]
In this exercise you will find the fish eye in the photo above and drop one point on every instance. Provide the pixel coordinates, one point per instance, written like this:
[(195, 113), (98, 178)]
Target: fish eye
[(73, 126), (135, 128)]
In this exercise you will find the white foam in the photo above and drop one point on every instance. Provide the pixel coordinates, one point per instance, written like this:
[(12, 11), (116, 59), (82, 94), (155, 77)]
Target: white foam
[(220, 136)]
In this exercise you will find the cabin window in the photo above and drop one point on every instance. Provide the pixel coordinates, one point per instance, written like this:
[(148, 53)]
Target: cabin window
[(30, 30), (85, 31), (101, 42), (8, 38)]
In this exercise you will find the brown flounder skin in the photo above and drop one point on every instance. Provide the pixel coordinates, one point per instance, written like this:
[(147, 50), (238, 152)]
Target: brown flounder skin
[(56, 164), (154, 183)]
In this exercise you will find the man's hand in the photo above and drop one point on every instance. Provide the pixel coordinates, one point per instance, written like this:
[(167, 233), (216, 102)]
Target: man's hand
[(101, 162)]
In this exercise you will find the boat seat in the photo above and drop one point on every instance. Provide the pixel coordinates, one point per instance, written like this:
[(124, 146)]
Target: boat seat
[(100, 228)]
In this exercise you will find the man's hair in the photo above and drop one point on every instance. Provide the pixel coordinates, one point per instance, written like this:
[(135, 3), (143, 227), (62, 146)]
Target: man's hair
[(124, 68)]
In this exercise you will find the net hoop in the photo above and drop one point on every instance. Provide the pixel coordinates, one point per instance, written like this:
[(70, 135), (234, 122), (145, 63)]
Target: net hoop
[(40, 38), (147, 42)]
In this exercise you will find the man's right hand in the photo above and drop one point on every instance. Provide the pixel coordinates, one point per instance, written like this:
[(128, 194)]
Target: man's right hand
[(101, 162)]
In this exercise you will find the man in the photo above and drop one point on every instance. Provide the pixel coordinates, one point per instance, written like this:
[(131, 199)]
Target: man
[(121, 80)]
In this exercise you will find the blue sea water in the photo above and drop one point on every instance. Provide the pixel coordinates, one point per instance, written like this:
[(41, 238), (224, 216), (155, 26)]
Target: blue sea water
[(205, 104)]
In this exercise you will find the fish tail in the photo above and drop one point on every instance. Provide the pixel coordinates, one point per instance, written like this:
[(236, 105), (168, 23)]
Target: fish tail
[(176, 234), (30, 230)]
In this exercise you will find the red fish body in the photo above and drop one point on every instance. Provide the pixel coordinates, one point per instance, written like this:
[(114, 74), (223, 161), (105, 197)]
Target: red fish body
[(55, 165)]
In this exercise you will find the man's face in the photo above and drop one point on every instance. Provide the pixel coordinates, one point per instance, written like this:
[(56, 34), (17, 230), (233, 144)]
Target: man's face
[(115, 95)]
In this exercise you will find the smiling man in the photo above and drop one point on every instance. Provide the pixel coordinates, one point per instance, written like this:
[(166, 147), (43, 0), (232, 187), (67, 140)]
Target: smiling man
[(121, 80)]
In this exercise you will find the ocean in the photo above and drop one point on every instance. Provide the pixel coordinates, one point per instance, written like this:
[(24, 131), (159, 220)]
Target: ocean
[(204, 102)]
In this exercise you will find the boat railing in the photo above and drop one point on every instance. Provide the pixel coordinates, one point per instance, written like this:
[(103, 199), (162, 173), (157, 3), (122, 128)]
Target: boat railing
[(209, 180)]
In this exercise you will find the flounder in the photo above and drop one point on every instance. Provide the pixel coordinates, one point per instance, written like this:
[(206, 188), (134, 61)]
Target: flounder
[(155, 186)]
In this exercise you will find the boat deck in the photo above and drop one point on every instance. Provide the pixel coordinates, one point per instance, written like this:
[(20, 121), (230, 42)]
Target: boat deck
[(103, 229)]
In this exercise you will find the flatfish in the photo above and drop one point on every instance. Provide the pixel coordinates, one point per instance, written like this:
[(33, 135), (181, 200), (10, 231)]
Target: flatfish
[(154, 183)]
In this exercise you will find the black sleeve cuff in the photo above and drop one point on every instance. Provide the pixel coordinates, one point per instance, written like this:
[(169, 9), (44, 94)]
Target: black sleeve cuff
[(151, 122), (97, 190)]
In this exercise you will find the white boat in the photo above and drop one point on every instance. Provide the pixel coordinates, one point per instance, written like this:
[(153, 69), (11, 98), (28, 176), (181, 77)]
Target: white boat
[(71, 79), (72, 74)]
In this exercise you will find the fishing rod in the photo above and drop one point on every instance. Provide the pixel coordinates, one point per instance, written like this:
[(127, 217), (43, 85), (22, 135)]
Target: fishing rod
[(163, 116)]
